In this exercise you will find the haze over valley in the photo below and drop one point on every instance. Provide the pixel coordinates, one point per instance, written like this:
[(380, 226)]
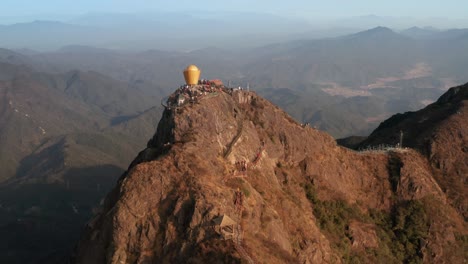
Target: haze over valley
[(391, 71), (82, 93)]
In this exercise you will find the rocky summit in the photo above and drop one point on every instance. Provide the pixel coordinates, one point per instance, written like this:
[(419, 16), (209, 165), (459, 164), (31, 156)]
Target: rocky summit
[(231, 178)]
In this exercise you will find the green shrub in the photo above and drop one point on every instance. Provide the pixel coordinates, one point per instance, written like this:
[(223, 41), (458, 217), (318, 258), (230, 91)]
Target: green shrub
[(246, 191), (333, 217), (400, 232)]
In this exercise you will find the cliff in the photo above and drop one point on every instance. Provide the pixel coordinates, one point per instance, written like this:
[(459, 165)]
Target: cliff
[(288, 194)]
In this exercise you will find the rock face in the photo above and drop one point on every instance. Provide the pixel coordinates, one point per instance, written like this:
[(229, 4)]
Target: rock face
[(440, 133), (303, 199)]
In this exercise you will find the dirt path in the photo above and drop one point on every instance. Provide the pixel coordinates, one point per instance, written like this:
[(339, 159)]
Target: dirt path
[(240, 127)]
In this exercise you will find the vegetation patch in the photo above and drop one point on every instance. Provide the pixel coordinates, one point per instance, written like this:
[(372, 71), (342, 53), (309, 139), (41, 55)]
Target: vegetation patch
[(401, 232), (394, 169), (333, 217), (239, 183)]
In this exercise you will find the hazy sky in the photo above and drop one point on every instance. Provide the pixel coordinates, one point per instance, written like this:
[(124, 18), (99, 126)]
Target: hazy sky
[(44, 9)]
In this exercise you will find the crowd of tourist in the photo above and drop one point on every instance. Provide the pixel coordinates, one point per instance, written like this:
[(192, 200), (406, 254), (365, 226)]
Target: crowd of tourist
[(193, 93)]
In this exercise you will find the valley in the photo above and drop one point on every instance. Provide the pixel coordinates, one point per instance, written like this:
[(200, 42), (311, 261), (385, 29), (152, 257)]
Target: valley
[(72, 121)]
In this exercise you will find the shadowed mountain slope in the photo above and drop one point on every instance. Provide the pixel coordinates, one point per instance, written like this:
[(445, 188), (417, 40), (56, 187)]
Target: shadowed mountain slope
[(65, 139), (37, 107)]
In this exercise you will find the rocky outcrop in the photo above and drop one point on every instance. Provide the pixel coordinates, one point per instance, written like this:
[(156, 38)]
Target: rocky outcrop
[(440, 133), (306, 200)]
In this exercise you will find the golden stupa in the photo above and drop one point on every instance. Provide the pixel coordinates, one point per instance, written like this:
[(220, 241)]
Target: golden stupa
[(192, 74)]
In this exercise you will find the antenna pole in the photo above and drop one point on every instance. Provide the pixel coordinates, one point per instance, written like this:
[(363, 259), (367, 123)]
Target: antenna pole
[(401, 138)]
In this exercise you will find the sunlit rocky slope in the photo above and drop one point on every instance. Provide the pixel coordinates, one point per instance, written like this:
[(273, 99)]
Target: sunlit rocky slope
[(186, 198)]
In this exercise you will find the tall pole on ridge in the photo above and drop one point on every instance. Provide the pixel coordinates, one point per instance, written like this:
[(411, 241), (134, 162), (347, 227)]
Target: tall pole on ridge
[(401, 138)]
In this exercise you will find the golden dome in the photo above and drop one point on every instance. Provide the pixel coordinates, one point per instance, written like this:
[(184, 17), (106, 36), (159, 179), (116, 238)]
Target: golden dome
[(192, 74), (192, 67)]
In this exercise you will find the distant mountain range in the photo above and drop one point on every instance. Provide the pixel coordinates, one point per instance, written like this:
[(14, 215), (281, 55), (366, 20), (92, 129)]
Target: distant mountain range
[(186, 31), (178, 31), (39, 108), (394, 71), (72, 119), (400, 71)]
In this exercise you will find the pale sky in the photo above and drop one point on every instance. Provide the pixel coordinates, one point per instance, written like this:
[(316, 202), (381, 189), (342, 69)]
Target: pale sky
[(44, 9)]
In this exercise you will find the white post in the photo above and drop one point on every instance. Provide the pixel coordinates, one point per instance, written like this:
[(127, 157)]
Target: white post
[(401, 138)]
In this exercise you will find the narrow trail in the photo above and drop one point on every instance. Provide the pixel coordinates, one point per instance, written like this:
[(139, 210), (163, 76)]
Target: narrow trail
[(240, 248), (240, 127), (238, 239), (244, 254), (258, 157)]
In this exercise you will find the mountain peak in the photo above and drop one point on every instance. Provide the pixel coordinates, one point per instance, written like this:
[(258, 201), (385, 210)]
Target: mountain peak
[(84, 49), (229, 177), (418, 32), (376, 31), (454, 95), (380, 29), (40, 23)]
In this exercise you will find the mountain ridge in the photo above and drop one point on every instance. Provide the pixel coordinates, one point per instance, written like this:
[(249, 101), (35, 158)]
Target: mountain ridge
[(438, 131), (164, 205), (65, 140)]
